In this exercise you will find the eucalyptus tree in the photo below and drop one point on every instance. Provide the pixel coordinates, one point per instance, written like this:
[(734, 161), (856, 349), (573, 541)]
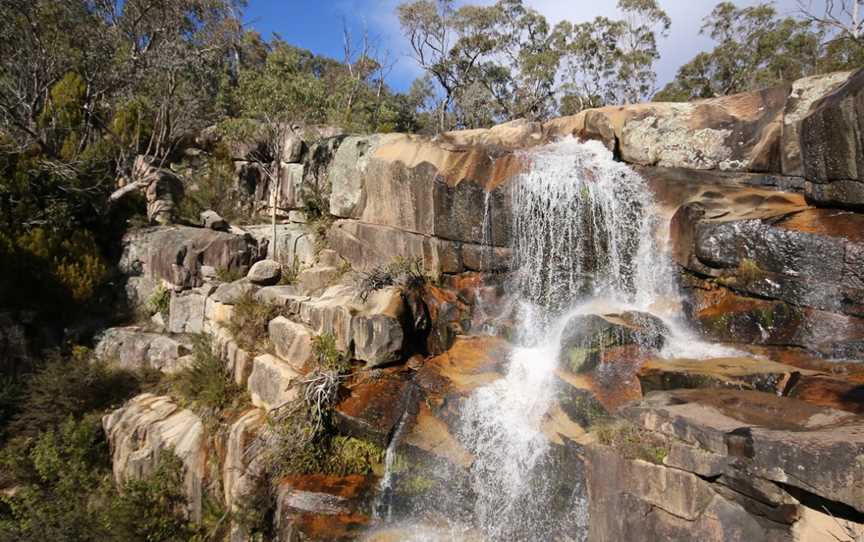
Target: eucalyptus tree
[(756, 48)]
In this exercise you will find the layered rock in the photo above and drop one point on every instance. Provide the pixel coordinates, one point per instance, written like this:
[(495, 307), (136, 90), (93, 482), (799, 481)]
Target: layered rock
[(177, 254), (145, 429), (833, 149)]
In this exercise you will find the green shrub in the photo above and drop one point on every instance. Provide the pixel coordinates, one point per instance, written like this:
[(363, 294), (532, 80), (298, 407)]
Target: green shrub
[(206, 385), (70, 386), (408, 274), (153, 508), (328, 356), (248, 323), (159, 301), (631, 441)]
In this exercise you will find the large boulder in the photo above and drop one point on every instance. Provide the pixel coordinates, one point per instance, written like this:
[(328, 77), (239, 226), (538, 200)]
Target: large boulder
[(832, 147), (804, 94), (425, 186), (586, 337), (740, 132), (265, 273), (176, 254), (135, 348), (146, 428)]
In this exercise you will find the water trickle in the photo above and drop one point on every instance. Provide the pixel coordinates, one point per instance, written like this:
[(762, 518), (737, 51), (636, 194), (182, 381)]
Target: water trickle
[(382, 509)]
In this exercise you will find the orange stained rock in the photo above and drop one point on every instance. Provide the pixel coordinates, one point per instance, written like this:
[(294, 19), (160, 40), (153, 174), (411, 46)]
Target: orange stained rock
[(471, 362), (830, 222), (347, 487), (487, 165), (432, 435)]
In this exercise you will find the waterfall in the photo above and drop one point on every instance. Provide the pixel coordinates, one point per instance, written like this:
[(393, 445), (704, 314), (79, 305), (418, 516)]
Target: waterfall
[(586, 240)]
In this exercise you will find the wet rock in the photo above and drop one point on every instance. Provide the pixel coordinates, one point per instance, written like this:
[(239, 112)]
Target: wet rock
[(212, 220), (725, 316), (586, 337), (831, 148), (148, 426), (318, 507), (271, 382), (292, 342), (374, 407), (265, 273), (815, 449), (135, 348), (729, 373)]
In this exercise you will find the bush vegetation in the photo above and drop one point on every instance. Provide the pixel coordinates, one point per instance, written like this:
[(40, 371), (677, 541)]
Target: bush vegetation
[(248, 324), (631, 441), (406, 273), (57, 460), (206, 386)]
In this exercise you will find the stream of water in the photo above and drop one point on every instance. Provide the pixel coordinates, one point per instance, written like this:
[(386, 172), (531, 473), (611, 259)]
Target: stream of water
[(586, 240)]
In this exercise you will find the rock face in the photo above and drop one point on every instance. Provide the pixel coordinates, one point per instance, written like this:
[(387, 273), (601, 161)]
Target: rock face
[(176, 254), (833, 149), (765, 444), (147, 427), (133, 348)]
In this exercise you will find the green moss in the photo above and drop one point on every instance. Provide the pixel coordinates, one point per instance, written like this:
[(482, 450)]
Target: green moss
[(417, 485), (581, 359), (631, 441), (349, 455), (749, 270)]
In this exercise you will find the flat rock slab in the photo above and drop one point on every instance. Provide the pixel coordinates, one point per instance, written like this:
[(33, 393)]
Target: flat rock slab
[(816, 449), (375, 405)]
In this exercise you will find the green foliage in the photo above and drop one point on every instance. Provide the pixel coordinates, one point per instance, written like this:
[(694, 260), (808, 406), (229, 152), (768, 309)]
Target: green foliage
[(757, 48), (407, 273), (249, 321), (631, 441), (159, 301), (153, 508), (65, 492), (71, 386), (327, 356), (212, 186), (206, 385)]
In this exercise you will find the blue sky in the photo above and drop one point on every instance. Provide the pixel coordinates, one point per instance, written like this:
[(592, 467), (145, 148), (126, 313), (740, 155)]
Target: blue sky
[(317, 25)]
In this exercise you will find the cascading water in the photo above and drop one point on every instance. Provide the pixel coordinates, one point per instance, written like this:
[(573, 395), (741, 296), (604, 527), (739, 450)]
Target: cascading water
[(584, 242)]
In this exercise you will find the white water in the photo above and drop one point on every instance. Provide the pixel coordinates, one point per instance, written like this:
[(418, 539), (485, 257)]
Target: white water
[(586, 240)]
